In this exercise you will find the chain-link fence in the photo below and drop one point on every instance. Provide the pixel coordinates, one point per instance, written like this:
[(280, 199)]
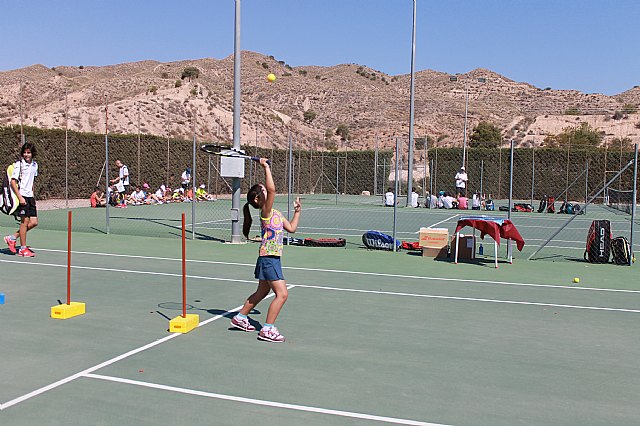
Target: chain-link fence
[(343, 191)]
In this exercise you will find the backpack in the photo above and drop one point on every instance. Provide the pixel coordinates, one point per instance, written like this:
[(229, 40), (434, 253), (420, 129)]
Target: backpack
[(376, 240), (522, 207), (543, 205), (9, 199), (598, 242), (411, 245), (621, 251), (551, 207), (489, 205)]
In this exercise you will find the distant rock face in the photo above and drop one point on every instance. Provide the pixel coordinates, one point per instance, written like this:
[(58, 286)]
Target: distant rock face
[(151, 97)]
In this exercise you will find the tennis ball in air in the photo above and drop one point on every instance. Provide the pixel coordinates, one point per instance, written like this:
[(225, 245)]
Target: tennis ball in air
[(576, 280), (271, 78)]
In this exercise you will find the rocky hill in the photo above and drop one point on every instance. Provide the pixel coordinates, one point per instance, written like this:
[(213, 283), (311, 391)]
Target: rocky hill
[(151, 98)]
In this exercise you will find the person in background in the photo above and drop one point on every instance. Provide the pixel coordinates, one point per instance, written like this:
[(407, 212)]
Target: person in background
[(97, 198), (186, 178), (461, 181), (463, 202), (414, 198), (476, 202), (389, 198)]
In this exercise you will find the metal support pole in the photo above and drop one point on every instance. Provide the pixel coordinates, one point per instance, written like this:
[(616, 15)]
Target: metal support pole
[(481, 176), (586, 186), (466, 110), (106, 161), (194, 184), (533, 172), (66, 150), (235, 198), (375, 169), (395, 200), (509, 253), (337, 176), (411, 111), (290, 175), (634, 201)]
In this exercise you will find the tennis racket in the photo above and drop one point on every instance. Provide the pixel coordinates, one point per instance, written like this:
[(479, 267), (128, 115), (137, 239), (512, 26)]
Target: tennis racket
[(226, 151)]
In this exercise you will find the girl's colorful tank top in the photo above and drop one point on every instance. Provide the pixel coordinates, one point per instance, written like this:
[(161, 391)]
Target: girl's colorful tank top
[(272, 230)]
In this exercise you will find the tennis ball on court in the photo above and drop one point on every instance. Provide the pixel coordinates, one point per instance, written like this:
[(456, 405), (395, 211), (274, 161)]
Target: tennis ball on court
[(271, 78), (576, 280)]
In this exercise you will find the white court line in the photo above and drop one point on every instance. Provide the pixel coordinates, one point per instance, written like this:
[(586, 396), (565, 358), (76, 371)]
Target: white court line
[(471, 299), (442, 221), (337, 271), (111, 361), (261, 402)]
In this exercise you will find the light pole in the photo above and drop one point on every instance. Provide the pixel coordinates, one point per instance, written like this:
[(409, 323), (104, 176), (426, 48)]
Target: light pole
[(466, 113), (235, 198), (411, 110)]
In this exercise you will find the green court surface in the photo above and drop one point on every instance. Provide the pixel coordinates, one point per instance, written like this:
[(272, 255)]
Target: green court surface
[(372, 338)]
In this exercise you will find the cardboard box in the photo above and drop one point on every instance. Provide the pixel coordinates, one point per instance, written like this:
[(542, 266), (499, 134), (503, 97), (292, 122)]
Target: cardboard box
[(437, 253), (466, 247), (434, 237)]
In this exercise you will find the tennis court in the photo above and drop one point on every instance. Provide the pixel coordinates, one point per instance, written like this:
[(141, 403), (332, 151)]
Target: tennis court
[(372, 337)]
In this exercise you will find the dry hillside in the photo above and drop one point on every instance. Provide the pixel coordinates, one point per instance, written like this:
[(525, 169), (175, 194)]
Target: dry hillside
[(143, 97)]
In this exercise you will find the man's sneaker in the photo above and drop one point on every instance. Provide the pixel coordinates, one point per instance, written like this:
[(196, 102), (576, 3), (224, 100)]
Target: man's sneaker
[(11, 243), (242, 324), (271, 334), (26, 252)]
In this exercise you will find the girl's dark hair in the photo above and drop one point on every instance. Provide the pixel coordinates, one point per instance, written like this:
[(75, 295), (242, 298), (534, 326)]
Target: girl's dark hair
[(254, 192), (31, 147)]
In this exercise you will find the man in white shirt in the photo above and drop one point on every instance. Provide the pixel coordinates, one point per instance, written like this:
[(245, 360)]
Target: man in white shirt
[(389, 198), (414, 198), (186, 178), (461, 181), (122, 181), (24, 173)]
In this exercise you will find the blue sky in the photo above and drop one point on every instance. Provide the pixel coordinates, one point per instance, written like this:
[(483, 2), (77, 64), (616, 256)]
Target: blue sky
[(586, 45)]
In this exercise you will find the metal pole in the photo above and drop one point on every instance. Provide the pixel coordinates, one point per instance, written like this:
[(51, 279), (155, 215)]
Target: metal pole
[(466, 110), (139, 172), (634, 201), (337, 176), (168, 135), (106, 160), (375, 169), (66, 150), (194, 183), (533, 171), (509, 253), (235, 199), (481, 177), (290, 186), (411, 110), (586, 185), (430, 183), (21, 115), (395, 199)]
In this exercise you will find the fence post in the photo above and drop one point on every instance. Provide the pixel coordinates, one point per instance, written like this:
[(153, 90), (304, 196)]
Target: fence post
[(395, 200), (634, 201)]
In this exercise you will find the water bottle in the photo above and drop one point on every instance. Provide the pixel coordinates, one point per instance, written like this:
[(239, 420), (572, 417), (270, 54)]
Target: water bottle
[(481, 250)]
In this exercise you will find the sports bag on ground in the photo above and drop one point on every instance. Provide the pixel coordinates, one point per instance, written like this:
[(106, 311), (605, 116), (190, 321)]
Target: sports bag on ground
[(620, 251), (9, 199), (543, 205), (598, 242), (376, 240)]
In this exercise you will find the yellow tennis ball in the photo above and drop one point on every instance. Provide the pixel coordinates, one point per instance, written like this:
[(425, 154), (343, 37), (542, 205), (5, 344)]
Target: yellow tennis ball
[(576, 280), (271, 78)]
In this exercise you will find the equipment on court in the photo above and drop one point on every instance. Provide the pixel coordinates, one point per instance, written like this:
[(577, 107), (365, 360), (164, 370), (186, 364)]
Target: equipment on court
[(522, 207), (377, 240), (598, 242), (489, 205), (543, 205), (621, 251), (226, 151), (504, 208), (290, 241), (551, 205), (621, 200), (9, 199), (411, 245), (325, 242)]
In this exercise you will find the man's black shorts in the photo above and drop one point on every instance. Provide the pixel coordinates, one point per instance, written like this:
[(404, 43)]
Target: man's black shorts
[(28, 209)]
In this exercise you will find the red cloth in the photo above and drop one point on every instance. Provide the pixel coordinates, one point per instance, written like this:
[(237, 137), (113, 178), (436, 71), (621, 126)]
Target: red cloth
[(507, 230)]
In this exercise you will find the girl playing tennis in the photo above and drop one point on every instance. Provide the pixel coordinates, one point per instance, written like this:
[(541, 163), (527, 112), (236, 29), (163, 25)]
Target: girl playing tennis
[(268, 269)]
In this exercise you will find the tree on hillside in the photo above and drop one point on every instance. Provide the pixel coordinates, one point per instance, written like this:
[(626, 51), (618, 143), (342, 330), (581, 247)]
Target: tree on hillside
[(343, 132), (584, 136), (309, 115), (190, 72), (486, 135)]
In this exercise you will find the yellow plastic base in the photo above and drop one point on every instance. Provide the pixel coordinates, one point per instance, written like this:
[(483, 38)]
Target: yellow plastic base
[(184, 325), (65, 311)]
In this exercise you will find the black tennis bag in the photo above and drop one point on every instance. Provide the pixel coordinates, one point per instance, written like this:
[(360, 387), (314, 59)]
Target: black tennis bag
[(620, 251), (376, 240), (543, 205), (598, 242), (8, 200)]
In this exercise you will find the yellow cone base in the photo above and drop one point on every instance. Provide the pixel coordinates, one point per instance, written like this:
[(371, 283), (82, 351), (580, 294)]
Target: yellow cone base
[(184, 325), (65, 311)]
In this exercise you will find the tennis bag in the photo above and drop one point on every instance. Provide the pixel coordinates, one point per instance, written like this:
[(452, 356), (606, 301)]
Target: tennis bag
[(620, 251), (522, 207), (9, 199), (598, 242), (543, 205), (551, 206), (376, 240), (504, 208)]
